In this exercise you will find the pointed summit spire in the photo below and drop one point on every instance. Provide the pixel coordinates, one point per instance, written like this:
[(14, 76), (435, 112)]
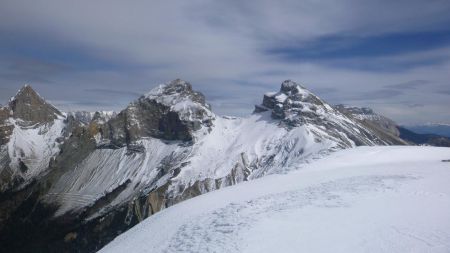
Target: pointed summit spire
[(29, 106), (26, 91)]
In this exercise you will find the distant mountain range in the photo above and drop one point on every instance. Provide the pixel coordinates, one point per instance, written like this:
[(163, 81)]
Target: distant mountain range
[(431, 128), (71, 182), (421, 139)]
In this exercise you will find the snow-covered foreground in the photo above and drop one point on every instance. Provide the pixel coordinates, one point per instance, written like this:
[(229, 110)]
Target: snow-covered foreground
[(367, 199)]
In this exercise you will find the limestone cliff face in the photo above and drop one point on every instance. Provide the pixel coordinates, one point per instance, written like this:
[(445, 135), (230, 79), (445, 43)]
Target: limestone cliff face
[(173, 111)]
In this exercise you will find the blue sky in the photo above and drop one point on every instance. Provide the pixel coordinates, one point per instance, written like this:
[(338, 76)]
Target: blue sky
[(393, 56)]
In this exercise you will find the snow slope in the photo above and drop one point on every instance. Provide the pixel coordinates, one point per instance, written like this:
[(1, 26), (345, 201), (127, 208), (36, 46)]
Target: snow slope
[(34, 146), (366, 199)]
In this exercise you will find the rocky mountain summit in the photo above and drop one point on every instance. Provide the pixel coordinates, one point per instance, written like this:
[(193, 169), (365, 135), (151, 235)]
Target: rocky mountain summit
[(31, 131), (31, 108), (171, 112), (28, 109), (297, 106), (293, 104), (72, 182)]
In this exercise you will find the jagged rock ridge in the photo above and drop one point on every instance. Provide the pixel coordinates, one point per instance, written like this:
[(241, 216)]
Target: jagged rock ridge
[(296, 106)]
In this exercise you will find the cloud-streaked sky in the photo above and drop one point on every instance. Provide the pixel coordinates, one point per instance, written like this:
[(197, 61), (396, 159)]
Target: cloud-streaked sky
[(393, 56)]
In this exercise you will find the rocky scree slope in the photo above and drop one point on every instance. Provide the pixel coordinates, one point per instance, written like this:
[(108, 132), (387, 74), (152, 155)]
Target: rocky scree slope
[(96, 179)]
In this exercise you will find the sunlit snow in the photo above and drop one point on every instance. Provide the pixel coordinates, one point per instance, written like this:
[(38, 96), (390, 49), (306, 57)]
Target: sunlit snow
[(366, 199)]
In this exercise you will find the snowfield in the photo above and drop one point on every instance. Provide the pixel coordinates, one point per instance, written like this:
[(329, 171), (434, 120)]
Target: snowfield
[(366, 199), (34, 146)]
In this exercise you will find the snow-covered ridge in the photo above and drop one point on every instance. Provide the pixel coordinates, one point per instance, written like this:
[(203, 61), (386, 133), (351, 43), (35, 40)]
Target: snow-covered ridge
[(246, 147), (368, 199), (370, 118), (295, 106), (255, 146), (361, 113), (165, 147), (231, 151)]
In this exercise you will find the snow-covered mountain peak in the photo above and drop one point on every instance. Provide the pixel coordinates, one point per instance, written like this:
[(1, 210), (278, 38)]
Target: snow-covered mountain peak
[(291, 87), (171, 111), (181, 98), (176, 86), (111, 171), (173, 92), (31, 130), (294, 104)]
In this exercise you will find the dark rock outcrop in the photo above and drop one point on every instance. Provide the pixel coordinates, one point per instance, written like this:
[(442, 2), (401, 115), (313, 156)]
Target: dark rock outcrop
[(5, 127), (173, 111), (28, 106), (293, 104)]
